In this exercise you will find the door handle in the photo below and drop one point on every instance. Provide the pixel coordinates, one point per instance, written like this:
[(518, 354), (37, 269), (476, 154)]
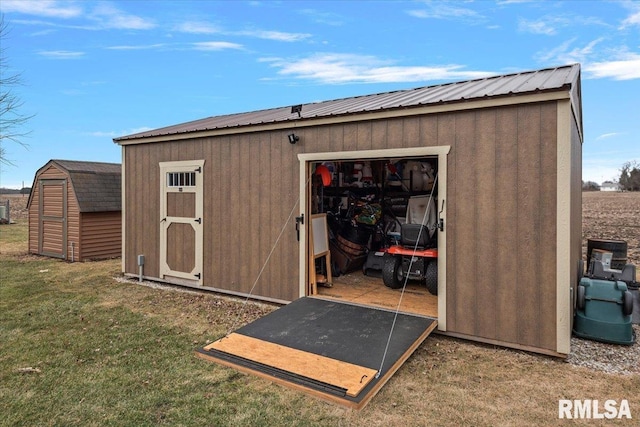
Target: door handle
[(440, 219), (299, 220)]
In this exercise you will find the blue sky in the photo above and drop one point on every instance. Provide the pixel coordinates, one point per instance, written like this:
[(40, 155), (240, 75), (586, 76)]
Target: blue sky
[(95, 70)]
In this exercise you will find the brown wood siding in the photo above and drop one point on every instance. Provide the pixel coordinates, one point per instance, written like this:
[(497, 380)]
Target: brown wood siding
[(181, 245), (101, 236), (52, 240), (181, 204), (501, 204), (464, 217), (34, 208), (52, 200), (250, 188), (73, 221), (52, 218), (546, 259), (506, 217), (501, 225), (484, 303), (135, 215)]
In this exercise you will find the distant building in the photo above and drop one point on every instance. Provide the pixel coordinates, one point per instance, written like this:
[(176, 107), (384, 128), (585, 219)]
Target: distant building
[(610, 186)]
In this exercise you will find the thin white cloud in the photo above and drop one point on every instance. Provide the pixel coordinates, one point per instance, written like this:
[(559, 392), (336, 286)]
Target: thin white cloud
[(104, 15), (634, 17), (347, 68), (550, 25), (43, 32), (444, 10), (48, 8), (108, 16), (566, 54), (543, 27), (627, 68), (274, 35), (136, 130), (503, 2), (61, 54), (607, 135), (51, 25), (197, 27), (321, 17), (619, 65), (102, 134), (206, 46), (216, 46), (137, 47), (115, 134)]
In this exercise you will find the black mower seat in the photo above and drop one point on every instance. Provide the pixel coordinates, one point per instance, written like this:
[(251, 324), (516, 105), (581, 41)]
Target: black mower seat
[(409, 234)]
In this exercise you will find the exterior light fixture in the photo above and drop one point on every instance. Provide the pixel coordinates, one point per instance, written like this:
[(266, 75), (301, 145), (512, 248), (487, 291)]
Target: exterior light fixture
[(293, 138)]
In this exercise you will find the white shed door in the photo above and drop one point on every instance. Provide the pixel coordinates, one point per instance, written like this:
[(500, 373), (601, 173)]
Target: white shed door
[(181, 209)]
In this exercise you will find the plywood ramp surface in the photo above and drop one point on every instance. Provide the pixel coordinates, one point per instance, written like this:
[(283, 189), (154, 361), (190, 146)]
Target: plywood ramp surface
[(352, 378)]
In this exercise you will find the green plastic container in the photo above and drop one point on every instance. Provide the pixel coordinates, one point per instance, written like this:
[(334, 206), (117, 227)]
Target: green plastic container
[(604, 309)]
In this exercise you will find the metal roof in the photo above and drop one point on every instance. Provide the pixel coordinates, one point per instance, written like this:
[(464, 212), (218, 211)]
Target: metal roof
[(545, 80), (97, 185)]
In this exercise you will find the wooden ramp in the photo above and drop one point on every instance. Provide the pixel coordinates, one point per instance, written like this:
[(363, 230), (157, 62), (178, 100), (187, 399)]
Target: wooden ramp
[(329, 349)]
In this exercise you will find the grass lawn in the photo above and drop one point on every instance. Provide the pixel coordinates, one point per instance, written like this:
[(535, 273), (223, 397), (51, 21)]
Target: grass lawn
[(78, 347)]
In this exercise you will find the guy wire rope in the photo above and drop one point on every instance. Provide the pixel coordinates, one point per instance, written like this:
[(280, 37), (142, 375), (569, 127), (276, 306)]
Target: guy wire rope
[(241, 312), (406, 278)]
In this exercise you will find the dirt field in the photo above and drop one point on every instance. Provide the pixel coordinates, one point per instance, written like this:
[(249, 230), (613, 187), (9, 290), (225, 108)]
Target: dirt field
[(612, 216), (17, 206), (604, 216)]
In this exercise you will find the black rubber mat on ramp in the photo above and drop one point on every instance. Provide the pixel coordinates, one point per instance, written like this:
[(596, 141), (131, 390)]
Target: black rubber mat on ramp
[(349, 333)]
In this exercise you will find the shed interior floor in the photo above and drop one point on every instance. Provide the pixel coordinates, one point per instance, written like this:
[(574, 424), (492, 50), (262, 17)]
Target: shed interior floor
[(370, 291)]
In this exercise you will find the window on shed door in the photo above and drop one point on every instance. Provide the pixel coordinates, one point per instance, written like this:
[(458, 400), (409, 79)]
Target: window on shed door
[(181, 179)]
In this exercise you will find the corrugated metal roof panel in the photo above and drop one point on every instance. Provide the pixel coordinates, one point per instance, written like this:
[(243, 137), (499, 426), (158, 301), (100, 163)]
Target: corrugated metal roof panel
[(550, 79)]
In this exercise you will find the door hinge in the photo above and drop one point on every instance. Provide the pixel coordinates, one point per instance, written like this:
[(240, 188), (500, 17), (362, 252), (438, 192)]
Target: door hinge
[(198, 220), (197, 275), (198, 170)]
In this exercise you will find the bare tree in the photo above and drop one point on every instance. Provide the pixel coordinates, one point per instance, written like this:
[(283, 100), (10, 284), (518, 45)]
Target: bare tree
[(630, 176), (11, 119)]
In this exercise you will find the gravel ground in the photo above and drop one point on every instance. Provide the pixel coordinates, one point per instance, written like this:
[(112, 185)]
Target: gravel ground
[(611, 358)]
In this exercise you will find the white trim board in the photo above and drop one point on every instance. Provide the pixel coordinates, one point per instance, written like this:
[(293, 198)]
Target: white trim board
[(441, 151)]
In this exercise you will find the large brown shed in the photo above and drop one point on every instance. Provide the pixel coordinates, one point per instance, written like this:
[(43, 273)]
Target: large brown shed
[(213, 203), (75, 210)]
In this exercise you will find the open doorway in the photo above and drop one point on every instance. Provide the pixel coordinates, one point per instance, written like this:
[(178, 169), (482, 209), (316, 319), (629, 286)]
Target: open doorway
[(366, 201)]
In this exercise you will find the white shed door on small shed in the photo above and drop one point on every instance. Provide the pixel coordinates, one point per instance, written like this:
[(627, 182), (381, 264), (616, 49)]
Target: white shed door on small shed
[(181, 216)]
